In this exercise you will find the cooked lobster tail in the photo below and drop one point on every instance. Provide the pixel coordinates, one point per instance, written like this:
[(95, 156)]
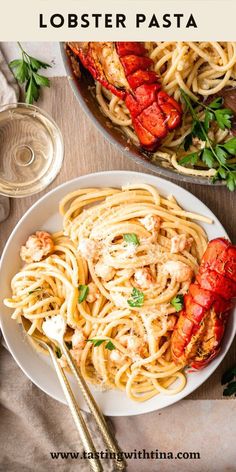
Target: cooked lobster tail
[(197, 337), (125, 69)]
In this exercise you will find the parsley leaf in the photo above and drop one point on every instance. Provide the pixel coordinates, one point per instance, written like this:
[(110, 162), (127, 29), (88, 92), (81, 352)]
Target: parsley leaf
[(97, 342), (178, 302), (189, 159), (230, 146), (36, 64), (230, 389), (131, 238), (223, 118), (137, 298), (209, 116), (208, 158), (110, 346), (221, 154), (40, 80), (20, 70), (25, 71), (69, 344), (83, 293), (230, 181), (198, 130), (216, 103), (32, 91), (222, 172), (15, 63)]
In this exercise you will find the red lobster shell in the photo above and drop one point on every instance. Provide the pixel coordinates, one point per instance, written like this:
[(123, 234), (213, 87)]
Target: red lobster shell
[(197, 337), (124, 69)]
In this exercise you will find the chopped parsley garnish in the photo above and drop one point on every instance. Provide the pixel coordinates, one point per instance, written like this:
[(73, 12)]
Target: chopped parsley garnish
[(178, 302), (137, 298), (97, 342), (83, 293), (110, 346), (131, 238), (228, 378), (213, 155)]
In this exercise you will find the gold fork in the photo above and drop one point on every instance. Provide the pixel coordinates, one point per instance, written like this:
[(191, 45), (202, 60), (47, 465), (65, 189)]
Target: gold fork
[(84, 433)]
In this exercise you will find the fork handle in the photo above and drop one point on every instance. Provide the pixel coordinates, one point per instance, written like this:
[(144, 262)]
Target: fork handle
[(85, 436), (94, 408)]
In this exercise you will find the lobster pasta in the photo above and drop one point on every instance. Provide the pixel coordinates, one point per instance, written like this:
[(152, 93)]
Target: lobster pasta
[(200, 69), (113, 273)]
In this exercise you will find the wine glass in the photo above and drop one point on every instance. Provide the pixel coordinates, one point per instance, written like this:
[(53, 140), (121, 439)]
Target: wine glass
[(31, 150)]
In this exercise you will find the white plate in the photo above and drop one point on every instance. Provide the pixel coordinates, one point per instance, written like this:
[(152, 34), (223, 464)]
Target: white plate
[(44, 215)]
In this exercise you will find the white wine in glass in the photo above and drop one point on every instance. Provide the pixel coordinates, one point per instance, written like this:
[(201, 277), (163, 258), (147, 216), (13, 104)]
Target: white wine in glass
[(31, 150)]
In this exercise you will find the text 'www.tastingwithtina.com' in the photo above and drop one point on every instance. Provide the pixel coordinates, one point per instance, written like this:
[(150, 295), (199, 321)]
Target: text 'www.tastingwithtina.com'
[(135, 454)]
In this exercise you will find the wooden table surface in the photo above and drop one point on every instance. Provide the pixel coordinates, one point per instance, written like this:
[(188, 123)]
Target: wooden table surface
[(87, 151)]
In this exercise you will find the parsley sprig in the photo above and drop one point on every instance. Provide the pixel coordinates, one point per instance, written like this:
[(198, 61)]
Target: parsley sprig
[(137, 298), (215, 156), (131, 238), (178, 302), (83, 293), (229, 378), (25, 71)]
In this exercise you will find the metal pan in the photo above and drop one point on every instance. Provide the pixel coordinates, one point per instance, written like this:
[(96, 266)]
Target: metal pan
[(82, 88)]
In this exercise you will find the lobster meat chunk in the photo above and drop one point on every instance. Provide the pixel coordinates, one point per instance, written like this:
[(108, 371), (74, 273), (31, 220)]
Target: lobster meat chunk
[(197, 337), (125, 69)]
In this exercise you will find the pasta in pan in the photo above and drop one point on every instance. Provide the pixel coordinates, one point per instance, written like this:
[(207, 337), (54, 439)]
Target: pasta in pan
[(201, 69), (113, 272)]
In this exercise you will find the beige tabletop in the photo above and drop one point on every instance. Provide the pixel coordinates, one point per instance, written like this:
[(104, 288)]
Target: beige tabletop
[(196, 423)]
